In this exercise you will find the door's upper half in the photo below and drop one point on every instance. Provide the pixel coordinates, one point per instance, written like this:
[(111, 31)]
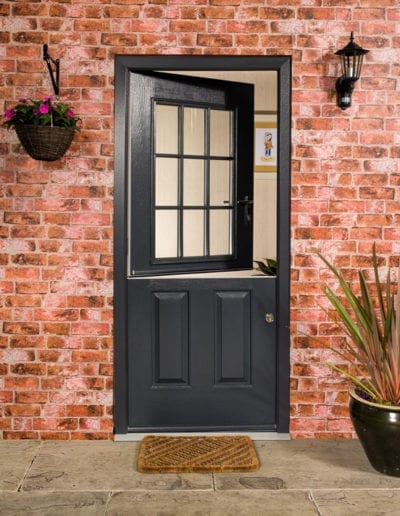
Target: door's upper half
[(190, 174)]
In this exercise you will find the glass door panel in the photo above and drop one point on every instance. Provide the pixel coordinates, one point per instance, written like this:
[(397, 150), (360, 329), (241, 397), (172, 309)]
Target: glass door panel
[(220, 183), (166, 181), (194, 173), (166, 129), (193, 233), (166, 224), (220, 132), (193, 182), (220, 232), (193, 131)]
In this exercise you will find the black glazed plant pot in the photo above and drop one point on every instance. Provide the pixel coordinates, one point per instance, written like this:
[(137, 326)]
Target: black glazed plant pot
[(378, 429)]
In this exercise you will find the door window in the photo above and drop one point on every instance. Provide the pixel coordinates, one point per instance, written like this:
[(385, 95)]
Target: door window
[(190, 174), (194, 172)]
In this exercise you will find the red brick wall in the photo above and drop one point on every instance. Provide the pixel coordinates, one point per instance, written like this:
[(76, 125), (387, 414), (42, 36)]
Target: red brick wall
[(56, 234)]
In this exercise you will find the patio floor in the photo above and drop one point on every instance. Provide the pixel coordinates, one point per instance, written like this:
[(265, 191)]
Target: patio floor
[(299, 477)]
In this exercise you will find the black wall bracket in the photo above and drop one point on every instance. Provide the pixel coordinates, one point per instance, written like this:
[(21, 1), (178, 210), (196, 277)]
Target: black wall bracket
[(55, 80)]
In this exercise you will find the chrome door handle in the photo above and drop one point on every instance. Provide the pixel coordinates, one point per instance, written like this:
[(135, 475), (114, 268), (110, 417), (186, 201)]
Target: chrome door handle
[(269, 318)]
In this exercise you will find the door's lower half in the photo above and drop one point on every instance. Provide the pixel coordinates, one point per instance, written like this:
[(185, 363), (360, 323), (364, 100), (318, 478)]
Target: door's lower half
[(201, 355)]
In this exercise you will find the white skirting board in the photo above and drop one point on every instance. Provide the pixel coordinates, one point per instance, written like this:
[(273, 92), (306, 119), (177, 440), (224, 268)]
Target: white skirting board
[(255, 436)]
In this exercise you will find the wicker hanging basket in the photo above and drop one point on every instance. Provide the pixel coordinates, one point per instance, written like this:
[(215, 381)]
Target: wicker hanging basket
[(45, 143)]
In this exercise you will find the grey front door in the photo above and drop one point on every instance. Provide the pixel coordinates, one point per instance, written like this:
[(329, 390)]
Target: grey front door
[(201, 355), (199, 351)]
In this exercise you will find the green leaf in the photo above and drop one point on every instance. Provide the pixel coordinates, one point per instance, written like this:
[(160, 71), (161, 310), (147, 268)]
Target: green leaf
[(370, 321)]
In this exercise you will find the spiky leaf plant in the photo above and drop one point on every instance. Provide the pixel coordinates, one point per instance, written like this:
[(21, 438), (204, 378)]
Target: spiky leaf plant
[(269, 268), (372, 325)]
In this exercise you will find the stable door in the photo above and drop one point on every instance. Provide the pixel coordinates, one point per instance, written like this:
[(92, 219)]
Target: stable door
[(201, 341)]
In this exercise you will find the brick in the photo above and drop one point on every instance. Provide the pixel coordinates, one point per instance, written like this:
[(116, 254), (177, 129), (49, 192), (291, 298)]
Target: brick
[(56, 315), (20, 435), (84, 410), (27, 232), (27, 341), (222, 12), (55, 328), (6, 287), (89, 356), (214, 40), (28, 369), (91, 436), (49, 384), (6, 396), (86, 301), (22, 410), (121, 39), (34, 287), (23, 301), (91, 25), (88, 328), (22, 328), (21, 383), (29, 259), (55, 424), (17, 273), (31, 397), (87, 191), (121, 11), (311, 13), (57, 205), (21, 218), (55, 436)]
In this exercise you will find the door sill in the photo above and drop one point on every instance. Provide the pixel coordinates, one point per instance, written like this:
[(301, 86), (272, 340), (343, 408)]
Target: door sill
[(239, 273), (255, 436)]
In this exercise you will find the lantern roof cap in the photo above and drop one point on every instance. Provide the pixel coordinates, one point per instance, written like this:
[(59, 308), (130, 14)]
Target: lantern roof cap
[(352, 49)]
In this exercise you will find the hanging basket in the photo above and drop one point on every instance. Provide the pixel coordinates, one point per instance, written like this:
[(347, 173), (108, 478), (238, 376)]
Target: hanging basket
[(45, 143)]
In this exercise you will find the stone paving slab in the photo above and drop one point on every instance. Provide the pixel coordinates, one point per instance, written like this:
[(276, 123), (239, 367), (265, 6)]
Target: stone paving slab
[(252, 503), (15, 460), (101, 466), (357, 502), (309, 464), (53, 504)]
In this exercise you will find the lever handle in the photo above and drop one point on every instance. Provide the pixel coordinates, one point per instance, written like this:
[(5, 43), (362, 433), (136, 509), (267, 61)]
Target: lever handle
[(246, 202)]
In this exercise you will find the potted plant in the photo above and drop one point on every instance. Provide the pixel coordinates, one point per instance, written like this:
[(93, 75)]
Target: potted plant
[(371, 321), (45, 127), (268, 267)]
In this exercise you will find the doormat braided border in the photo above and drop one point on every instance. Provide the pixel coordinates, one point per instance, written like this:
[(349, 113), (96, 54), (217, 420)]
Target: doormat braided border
[(205, 454)]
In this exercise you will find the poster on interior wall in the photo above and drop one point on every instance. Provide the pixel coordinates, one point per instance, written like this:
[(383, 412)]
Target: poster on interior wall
[(265, 142)]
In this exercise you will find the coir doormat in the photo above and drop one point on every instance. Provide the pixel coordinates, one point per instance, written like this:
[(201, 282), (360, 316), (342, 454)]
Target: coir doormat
[(206, 454)]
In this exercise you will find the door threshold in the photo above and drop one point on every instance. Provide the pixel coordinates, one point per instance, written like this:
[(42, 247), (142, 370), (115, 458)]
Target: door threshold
[(237, 273), (255, 436)]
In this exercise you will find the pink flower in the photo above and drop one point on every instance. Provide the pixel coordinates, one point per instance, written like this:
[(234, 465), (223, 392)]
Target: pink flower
[(48, 98), (43, 109), (70, 113), (9, 114)]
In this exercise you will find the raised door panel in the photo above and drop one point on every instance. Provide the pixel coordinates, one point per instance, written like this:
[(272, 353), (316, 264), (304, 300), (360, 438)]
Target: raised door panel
[(171, 338), (232, 337)]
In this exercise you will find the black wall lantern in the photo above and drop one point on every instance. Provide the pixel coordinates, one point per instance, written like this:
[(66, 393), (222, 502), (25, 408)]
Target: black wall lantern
[(351, 58)]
